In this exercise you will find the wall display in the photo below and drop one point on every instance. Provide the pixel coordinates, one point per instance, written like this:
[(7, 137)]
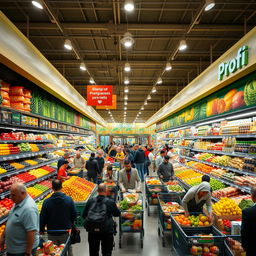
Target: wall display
[(121, 128), (99, 95), (239, 95)]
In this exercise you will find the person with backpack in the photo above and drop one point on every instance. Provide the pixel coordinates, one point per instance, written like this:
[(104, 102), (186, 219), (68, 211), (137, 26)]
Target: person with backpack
[(98, 215)]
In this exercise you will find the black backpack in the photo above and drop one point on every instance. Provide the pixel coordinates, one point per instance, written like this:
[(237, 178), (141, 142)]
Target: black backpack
[(96, 220)]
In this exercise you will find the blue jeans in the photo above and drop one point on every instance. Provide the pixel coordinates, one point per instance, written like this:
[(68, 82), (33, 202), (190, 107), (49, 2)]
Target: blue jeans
[(93, 179), (140, 168)]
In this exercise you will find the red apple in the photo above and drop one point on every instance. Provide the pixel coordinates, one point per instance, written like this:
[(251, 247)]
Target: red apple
[(193, 250), (214, 249), (238, 100)]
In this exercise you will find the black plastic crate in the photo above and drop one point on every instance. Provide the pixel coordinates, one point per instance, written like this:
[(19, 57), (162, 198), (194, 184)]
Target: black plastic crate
[(227, 248)]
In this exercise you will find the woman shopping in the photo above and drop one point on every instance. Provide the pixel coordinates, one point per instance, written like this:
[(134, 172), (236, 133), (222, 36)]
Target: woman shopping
[(196, 198)]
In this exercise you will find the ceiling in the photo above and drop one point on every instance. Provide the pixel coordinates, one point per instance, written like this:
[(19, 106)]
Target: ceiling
[(96, 27)]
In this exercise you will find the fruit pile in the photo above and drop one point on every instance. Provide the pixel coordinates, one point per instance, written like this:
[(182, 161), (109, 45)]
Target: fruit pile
[(193, 221), (175, 188), (49, 248), (205, 250), (2, 170), (34, 148), (225, 192), (172, 182), (8, 149), (5, 206), (227, 207), (37, 190), (222, 160), (38, 172), (224, 226), (200, 166), (153, 181), (168, 207), (24, 147), (79, 189), (17, 166), (235, 246)]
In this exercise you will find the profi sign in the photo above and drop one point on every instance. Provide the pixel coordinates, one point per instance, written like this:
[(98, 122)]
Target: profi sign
[(232, 66)]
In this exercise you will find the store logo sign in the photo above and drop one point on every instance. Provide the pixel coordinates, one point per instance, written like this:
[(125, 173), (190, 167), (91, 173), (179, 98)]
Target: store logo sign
[(99, 95), (232, 66)]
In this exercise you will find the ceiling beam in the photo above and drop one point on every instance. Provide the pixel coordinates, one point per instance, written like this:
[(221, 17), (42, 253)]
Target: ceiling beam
[(121, 28)]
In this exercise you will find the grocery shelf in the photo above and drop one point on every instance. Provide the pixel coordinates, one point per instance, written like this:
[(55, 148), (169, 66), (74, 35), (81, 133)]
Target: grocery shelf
[(24, 141), (30, 183), (221, 166), (29, 154), (8, 174), (242, 188)]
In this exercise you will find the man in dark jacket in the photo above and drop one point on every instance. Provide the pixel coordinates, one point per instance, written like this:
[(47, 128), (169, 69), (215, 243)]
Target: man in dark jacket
[(105, 238), (101, 163), (249, 227), (92, 168), (58, 213), (62, 160), (165, 170), (139, 161)]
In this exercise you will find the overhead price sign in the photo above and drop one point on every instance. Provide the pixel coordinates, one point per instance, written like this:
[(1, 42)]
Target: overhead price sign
[(113, 106), (99, 95)]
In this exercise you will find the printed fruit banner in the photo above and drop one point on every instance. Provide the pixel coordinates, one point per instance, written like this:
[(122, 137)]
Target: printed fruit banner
[(237, 96), (120, 128)]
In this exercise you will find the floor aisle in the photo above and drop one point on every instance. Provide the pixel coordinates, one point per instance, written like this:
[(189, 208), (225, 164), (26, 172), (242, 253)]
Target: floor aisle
[(131, 245)]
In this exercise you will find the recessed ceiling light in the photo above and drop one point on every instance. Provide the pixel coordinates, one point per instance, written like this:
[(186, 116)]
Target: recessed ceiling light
[(38, 4), (82, 66), (126, 97), (153, 89), (126, 89), (183, 45), (145, 103), (68, 44), (125, 103), (127, 67), (125, 108), (126, 80), (149, 97), (127, 40), (142, 108), (125, 112), (168, 66), (209, 4), (91, 81), (129, 5), (159, 80)]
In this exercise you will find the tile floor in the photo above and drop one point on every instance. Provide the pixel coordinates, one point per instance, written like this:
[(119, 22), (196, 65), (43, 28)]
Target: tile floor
[(131, 242)]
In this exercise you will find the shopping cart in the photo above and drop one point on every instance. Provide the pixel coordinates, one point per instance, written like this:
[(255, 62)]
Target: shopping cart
[(132, 222)]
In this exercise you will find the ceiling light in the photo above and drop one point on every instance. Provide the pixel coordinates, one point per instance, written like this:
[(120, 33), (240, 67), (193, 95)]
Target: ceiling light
[(68, 44), (183, 45), (126, 80), (125, 112), (209, 4), (126, 97), (149, 97), (125, 103), (145, 103), (82, 66), (159, 80), (129, 5), (127, 40), (91, 81), (153, 89), (126, 89), (38, 4), (142, 108), (125, 108), (127, 67), (109, 112), (139, 113), (168, 66)]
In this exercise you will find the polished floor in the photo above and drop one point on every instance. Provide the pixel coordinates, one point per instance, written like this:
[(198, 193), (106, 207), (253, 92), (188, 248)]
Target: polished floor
[(131, 242)]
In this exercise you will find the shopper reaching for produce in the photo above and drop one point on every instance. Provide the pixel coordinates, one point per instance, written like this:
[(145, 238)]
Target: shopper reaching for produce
[(196, 198), (129, 178), (62, 172)]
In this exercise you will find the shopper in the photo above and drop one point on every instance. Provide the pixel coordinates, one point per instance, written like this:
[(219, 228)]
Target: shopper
[(160, 158), (64, 158), (129, 156), (62, 172), (165, 170), (196, 198), (249, 227), (101, 161), (58, 213), (22, 227), (112, 152), (151, 158), (93, 169), (139, 161), (119, 155), (109, 175), (78, 161), (129, 178), (99, 223)]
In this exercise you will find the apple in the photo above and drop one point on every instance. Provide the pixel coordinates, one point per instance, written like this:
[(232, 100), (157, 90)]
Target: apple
[(206, 249), (193, 250), (238, 100), (214, 249), (221, 105)]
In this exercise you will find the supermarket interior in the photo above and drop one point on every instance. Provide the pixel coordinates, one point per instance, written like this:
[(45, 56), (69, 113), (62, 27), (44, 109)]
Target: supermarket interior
[(137, 113)]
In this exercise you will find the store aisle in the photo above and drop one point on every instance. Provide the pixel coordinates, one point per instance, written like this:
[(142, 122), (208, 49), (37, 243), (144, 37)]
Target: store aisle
[(131, 244)]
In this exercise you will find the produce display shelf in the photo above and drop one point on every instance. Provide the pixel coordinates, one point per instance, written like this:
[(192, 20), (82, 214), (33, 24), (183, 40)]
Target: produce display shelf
[(219, 152), (242, 188), (30, 183), (182, 147), (29, 154), (221, 166), (8, 174), (24, 141)]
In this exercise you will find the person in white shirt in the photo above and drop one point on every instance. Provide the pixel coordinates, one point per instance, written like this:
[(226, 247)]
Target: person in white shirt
[(160, 158), (151, 158)]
